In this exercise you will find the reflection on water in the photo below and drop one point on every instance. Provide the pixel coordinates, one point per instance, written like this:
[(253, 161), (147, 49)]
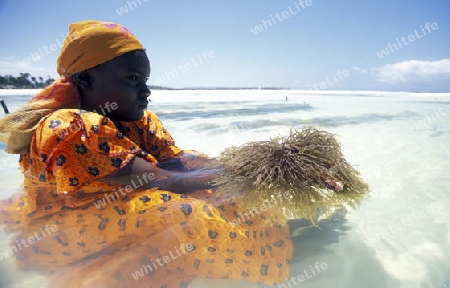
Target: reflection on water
[(146, 235), (314, 239)]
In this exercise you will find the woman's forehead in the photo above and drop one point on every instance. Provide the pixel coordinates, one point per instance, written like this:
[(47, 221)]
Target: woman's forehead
[(136, 60), (135, 56)]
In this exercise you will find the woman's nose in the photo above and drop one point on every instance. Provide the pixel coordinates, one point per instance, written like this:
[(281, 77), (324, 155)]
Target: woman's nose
[(145, 92)]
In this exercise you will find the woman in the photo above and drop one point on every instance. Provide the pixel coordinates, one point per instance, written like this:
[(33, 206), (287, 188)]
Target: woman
[(129, 208)]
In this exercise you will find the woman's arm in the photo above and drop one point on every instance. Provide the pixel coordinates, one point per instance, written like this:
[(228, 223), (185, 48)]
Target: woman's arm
[(152, 176), (187, 161)]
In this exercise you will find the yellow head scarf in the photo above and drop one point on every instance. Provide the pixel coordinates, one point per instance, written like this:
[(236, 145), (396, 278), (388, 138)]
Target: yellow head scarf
[(88, 44)]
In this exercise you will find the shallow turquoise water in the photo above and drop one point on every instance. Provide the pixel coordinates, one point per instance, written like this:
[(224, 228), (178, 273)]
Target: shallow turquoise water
[(400, 236)]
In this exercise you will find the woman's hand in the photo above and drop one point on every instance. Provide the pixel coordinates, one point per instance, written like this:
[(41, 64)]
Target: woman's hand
[(183, 182)]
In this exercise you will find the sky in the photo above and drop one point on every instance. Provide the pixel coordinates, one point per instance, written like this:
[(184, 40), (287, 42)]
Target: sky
[(383, 45)]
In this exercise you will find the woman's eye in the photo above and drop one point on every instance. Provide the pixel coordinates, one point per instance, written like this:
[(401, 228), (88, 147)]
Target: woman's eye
[(134, 78)]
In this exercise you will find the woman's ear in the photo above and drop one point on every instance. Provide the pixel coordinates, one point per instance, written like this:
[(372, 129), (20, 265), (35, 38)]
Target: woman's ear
[(82, 79)]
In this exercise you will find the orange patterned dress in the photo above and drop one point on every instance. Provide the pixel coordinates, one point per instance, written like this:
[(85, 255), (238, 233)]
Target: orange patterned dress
[(138, 238)]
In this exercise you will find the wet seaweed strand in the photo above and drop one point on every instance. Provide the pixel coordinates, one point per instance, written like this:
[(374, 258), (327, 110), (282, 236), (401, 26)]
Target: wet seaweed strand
[(299, 165)]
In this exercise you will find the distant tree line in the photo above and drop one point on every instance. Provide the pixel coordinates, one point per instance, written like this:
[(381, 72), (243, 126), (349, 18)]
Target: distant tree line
[(27, 81), (24, 81)]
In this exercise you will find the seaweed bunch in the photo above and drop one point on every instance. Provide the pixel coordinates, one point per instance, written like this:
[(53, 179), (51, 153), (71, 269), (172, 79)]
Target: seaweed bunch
[(304, 173)]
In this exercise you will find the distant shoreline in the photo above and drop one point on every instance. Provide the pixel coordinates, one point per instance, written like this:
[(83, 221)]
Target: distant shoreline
[(219, 88), (267, 91), (12, 87)]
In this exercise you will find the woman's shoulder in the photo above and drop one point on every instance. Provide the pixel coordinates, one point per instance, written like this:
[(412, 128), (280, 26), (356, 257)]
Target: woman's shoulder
[(66, 117), (73, 113), (79, 113), (65, 121)]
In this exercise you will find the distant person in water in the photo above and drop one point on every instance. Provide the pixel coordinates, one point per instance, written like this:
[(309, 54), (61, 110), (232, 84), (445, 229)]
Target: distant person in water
[(5, 108), (131, 208)]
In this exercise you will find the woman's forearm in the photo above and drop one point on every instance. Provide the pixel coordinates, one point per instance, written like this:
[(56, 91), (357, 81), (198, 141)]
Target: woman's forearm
[(139, 173), (188, 162), (146, 174)]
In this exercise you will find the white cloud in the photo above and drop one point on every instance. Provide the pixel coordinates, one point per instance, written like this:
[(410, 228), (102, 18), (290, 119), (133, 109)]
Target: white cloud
[(414, 71), (356, 68)]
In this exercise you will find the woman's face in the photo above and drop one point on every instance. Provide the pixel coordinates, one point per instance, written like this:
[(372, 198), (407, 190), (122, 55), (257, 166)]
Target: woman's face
[(118, 87)]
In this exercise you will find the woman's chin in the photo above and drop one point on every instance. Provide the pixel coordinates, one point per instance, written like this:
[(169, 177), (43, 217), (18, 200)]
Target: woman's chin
[(135, 116)]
